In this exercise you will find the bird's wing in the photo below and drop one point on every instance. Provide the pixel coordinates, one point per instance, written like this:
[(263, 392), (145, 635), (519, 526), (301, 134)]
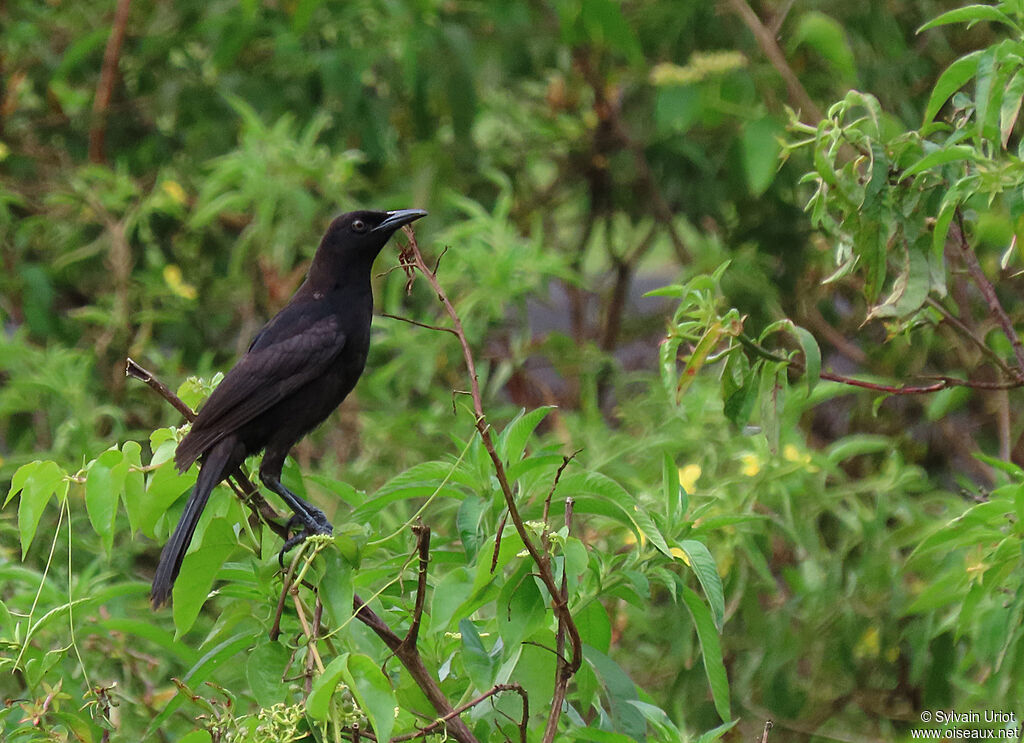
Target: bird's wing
[(292, 350)]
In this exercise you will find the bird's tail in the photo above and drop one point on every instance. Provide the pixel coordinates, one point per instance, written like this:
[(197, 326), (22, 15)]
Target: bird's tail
[(215, 467)]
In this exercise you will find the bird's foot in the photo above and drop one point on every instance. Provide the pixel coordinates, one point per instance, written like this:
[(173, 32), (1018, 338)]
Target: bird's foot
[(310, 524)]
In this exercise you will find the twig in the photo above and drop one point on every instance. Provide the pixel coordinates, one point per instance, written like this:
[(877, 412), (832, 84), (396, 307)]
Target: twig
[(238, 480), (559, 604), (105, 87), (497, 541), (496, 689), (417, 323), (989, 293), (554, 484), (609, 112), (562, 673), (422, 533), (961, 327), (810, 113), (943, 382), (767, 727)]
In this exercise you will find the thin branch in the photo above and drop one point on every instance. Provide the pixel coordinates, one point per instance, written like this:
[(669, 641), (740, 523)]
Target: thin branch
[(554, 484), (767, 728), (559, 604), (410, 658), (961, 327), (988, 292), (422, 533), (496, 689), (105, 87), (943, 382), (809, 111), (609, 112), (238, 480), (562, 673), (417, 323)]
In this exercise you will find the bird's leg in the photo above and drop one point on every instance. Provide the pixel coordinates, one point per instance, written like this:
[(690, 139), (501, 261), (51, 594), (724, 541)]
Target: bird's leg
[(310, 517)]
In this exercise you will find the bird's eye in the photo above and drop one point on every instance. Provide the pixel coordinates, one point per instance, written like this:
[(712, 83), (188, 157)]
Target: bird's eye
[(359, 226)]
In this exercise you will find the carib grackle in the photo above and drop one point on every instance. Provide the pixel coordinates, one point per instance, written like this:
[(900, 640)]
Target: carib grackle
[(297, 370)]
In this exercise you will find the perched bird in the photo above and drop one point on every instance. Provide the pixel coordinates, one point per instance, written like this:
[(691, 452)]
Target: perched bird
[(297, 370)]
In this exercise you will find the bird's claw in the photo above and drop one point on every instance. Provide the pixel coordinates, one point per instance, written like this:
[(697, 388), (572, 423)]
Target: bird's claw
[(316, 523)]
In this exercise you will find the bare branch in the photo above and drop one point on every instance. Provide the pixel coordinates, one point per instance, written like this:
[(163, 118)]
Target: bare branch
[(988, 292), (809, 111), (105, 88), (559, 603)]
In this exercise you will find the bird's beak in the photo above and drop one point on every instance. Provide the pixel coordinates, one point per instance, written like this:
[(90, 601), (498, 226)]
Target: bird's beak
[(398, 218)]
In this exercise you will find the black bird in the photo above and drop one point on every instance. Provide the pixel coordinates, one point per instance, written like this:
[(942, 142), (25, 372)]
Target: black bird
[(297, 370)]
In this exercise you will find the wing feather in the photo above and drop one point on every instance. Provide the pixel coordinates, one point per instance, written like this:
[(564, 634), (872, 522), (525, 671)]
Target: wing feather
[(289, 352)]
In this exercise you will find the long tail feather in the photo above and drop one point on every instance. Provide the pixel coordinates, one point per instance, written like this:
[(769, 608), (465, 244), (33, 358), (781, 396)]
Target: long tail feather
[(214, 468)]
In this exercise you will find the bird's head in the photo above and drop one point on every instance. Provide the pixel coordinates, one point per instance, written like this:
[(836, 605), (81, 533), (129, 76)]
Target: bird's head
[(353, 241), (366, 232)]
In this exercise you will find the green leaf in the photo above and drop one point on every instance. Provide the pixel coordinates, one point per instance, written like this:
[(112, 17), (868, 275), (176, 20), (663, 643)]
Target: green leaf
[(480, 665), (1010, 109), (827, 37), (103, 485), (134, 492), (620, 691), (319, 699), (711, 651), (449, 594), (579, 484), (703, 564), (942, 156), (468, 523), (373, 692), (512, 441), (264, 669), (37, 482), (198, 570), (225, 652), (594, 626), (971, 14), (760, 148), (336, 588), (812, 355), (521, 609), (950, 81)]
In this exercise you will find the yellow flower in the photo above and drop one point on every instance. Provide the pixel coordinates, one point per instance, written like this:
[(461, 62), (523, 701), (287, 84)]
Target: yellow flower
[(174, 280), (751, 464), (869, 644), (175, 191), (688, 477)]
